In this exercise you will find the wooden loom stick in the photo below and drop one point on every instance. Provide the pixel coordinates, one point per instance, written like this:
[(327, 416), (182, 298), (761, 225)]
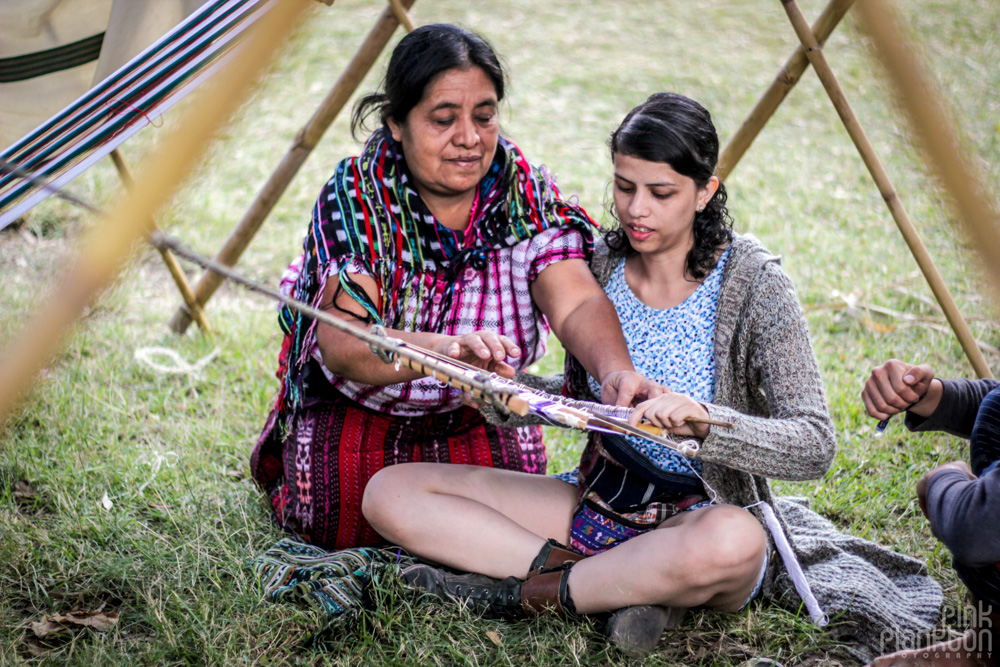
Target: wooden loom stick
[(574, 404), (974, 208), (476, 382), (302, 146), (829, 80), (109, 243), (435, 365)]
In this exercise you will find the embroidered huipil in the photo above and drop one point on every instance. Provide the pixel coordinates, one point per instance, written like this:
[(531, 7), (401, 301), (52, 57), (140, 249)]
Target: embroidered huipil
[(496, 298)]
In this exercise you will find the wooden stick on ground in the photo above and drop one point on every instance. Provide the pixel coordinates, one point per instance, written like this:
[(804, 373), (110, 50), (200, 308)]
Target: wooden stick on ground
[(829, 80), (307, 138)]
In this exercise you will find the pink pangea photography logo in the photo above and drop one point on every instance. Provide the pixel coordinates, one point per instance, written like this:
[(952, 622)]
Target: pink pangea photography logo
[(942, 644)]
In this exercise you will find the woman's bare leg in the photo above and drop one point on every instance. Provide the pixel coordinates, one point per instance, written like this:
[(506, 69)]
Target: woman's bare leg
[(710, 557), (495, 522), (473, 518)]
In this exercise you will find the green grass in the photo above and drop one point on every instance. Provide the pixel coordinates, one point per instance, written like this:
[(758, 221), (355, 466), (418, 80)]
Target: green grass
[(170, 451)]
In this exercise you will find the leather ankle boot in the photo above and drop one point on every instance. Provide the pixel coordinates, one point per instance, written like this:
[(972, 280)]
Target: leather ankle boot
[(496, 598), (551, 556), (548, 591)]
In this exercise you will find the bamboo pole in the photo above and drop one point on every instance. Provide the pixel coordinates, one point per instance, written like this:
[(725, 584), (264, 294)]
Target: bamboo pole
[(783, 83), (400, 13), (107, 246), (973, 206), (829, 80), (302, 146), (168, 258)]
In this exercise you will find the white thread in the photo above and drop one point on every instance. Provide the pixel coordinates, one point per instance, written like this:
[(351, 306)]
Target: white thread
[(620, 489), (147, 357), (157, 461)]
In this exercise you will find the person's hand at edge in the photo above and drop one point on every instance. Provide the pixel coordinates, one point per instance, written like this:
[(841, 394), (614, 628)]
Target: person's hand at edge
[(897, 386)]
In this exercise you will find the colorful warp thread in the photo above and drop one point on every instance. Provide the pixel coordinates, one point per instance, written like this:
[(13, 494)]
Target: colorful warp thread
[(333, 583), (370, 218)]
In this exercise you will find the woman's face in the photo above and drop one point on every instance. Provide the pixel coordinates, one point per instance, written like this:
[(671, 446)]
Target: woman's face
[(450, 137), (656, 205)]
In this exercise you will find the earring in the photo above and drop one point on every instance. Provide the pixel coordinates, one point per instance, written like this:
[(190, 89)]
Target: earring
[(701, 208)]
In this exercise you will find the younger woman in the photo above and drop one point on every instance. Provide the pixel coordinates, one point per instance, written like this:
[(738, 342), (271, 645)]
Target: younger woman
[(710, 315)]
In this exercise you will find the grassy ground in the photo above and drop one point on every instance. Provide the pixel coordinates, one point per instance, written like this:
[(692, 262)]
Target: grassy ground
[(125, 490)]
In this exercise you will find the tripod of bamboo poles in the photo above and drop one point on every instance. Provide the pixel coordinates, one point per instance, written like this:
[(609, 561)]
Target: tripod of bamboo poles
[(239, 239), (180, 280), (810, 52)]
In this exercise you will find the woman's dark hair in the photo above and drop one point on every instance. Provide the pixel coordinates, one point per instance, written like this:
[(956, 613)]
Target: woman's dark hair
[(416, 61), (676, 130)]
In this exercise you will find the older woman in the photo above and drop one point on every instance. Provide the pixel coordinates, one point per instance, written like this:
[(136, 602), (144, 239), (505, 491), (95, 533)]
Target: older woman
[(445, 235)]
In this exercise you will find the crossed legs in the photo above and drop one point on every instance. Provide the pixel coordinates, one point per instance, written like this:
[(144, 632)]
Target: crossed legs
[(495, 522)]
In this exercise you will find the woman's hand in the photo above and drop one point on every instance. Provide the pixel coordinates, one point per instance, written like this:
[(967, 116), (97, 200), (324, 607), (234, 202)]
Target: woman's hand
[(897, 386), (623, 387), (482, 349), (670, 411)]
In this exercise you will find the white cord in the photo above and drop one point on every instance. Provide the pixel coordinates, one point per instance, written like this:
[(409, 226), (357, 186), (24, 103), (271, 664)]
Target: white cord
[(178, 365)]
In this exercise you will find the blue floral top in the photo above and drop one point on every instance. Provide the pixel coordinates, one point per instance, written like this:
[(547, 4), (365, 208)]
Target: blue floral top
[(673, 346)]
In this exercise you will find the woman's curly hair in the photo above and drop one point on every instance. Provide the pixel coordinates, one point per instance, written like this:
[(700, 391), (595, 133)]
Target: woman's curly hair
[(676, 130)]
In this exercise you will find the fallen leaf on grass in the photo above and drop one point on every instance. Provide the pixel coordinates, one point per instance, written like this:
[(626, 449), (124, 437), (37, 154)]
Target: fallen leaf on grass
[(494, 637), (99, 620), (46, 628), (39, 651), (61, 624), (106, 502)]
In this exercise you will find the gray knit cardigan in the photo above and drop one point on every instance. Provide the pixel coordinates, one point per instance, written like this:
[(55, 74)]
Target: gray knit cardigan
[(768, 385)]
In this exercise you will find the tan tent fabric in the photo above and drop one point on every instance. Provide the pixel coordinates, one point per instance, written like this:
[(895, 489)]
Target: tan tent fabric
[(134, 25), (29, 26)]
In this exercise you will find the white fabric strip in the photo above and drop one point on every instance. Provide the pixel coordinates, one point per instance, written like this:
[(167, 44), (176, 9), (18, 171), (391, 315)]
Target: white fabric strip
[(792, 565)]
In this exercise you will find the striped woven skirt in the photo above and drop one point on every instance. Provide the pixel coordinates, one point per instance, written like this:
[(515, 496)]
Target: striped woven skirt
[(315, 477)]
